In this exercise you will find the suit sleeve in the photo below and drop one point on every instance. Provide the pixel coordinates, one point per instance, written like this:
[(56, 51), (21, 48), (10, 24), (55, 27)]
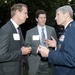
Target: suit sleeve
[(29, 42), (66, 55), (5, 53)]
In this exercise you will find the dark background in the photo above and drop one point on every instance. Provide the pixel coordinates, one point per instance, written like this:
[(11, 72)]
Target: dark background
[(48, 5)]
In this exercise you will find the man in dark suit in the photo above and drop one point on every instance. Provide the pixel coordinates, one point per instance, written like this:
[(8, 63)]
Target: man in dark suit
[(37, 64), (11, 43), (63, 57)]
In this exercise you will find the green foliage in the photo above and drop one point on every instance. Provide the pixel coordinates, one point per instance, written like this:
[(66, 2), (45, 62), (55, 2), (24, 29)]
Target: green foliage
[(5, 10), (48, 5)]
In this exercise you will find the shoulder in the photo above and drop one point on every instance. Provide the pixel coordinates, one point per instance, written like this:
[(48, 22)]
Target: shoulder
[(72, 24), (6, 27), (71, 28), (32, 29), (5, 30), (50, 27)]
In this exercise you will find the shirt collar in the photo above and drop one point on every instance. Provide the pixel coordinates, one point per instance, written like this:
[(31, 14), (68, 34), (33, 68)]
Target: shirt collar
[(67, 24), (39, 27), (15, 25)]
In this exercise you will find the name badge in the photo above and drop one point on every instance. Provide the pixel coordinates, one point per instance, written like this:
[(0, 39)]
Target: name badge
[(62, 38), (35, 37), (16, 36)]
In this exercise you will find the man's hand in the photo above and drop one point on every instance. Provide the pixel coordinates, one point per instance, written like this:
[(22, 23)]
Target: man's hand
[(43, 51), (25, 50), (51, 43)]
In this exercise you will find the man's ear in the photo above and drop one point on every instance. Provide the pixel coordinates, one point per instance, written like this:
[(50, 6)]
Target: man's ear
[(67, 13), (36, 19)]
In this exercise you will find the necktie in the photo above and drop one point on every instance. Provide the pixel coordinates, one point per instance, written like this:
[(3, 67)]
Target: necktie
[(43, 42), (24, 58), (42, 37), (20, 34), (19, 31)]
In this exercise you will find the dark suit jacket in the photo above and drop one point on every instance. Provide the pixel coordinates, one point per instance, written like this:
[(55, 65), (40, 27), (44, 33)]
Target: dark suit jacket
[(10, 53), (34, 58), (64, 56)]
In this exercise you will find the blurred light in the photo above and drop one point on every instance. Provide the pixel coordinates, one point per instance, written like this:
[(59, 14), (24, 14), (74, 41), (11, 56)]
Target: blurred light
[(69, 0), (5, 1)]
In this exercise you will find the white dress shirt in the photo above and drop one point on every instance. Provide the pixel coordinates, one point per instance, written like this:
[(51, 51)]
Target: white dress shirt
[(40, 30)]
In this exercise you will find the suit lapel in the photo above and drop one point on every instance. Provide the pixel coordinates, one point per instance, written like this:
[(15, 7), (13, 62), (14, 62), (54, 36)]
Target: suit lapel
[(14, 31), (36, 33), (48, 32), (12, 26)]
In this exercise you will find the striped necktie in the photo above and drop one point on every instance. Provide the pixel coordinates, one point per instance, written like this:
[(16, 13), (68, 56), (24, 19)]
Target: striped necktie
[(42, 37)]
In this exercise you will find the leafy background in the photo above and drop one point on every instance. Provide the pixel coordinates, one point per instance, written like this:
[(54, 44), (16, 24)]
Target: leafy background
[(48, 5)]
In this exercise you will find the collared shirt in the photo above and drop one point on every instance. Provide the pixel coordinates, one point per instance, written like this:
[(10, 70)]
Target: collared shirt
[(40, 30), (15, 25)]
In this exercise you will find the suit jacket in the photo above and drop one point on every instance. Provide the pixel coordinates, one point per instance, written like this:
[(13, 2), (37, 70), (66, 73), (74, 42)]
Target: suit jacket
[(64, 56), (10, 53), (34, 58)]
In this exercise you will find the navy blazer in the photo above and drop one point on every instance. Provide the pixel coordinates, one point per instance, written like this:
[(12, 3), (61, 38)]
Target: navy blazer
[(64, 56)]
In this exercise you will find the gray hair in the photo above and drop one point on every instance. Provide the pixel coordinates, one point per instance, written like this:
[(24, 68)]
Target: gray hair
[(66, 8)]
